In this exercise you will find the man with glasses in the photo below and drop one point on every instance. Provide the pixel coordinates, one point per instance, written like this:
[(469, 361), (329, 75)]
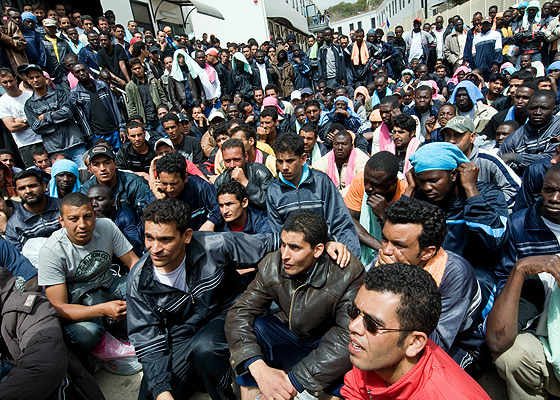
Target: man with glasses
[(302, 349), (392, 317)]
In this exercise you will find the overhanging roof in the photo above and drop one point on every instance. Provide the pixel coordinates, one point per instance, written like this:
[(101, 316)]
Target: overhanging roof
[(201, 7)]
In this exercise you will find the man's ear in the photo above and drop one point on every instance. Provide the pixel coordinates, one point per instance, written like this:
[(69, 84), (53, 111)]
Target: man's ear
[(61, 220), (304, 157), (427, 253), (187, 236), (414, 343), (318, 250), (453, 175), (245, 202)]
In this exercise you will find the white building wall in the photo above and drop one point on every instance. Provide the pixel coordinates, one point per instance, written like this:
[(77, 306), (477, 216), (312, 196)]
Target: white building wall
[(243, 19), (121, 8)]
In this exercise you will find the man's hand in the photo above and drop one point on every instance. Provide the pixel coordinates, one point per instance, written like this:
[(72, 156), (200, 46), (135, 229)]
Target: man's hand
[(344, 113), (262, 134), (237, 174), (378, 205), (396, 256), (536, 264), (468, 174), (411, 183), (115, 309), (250, 119), (40, 117), (430, 124), (274, 384), (122, 135), (338, 252), (164, 396), (508, 157)]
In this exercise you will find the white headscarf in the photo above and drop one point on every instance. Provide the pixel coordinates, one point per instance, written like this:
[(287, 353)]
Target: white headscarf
[(239, 56), (177, 73)]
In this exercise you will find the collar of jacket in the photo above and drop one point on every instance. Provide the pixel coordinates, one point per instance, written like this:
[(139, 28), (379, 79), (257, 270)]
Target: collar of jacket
[(50, 92), (147, 284), (533, 219), (52, 205), (317, 276), (306, 177)]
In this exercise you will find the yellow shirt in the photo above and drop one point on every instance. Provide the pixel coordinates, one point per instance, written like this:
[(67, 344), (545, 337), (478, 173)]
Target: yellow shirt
[(55, 47), (270, 161)]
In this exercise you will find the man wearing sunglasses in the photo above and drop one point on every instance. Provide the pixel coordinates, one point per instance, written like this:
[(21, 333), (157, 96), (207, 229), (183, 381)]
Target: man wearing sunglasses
[(392, 317), (303, 348)]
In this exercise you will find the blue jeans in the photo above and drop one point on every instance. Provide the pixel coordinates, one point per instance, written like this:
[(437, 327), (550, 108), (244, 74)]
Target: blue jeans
[(282, 349), (85, 335), (5, 368), (76, 154)]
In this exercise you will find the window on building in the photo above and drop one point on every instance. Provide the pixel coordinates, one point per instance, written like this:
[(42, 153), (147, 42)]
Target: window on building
[(373, 23), (340, 30), (141, 14), (359, 24), (351, 27)]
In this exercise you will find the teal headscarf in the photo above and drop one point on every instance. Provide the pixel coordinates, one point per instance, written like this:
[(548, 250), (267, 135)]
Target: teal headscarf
[(438, 156), (63, 166)]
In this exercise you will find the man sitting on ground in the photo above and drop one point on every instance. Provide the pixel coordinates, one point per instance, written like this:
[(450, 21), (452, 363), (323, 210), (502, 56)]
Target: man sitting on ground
[(65, 178), (237, 213), (254, 177), (368, 197), (392, 317), (136, 153), (313, 148), (75, 267), (303, 348), (413, 233)]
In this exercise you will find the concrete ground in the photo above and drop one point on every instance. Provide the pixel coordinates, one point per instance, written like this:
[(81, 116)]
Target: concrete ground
[(116, 387)]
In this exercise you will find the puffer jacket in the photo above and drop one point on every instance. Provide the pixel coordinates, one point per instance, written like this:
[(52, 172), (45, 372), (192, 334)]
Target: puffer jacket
[(32, 337), (158, 315), (315, 308), (259, 178)]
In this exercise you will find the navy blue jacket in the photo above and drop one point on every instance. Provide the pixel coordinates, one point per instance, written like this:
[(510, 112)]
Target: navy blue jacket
[(316, 193), (339, 60), (15, 262), (202, 199), (35, 48), (476, 226), (89, 58), (257, 222), (526, 235), (129, 224), (531, 184)]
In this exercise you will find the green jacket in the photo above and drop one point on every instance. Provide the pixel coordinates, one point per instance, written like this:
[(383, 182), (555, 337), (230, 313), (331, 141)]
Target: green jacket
[(134, 104)]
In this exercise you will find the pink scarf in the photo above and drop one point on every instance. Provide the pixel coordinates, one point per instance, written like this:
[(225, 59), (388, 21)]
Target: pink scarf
[(455, 79), (332, 171), (385, 140), (259, 157), (211, 72), (270, 101)]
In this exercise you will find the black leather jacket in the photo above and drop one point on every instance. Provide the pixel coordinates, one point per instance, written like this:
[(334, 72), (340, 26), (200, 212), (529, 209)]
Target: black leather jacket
[(259, 178), (314, 307), (178, 96)]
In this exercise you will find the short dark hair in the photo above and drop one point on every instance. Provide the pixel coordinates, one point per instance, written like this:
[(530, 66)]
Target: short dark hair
[(384, 161), (220, 129), (137, 48), (27, 173), (133, 125), (249, 130), (393, 101), (404, 121), (39, 151), (235, 188), (495, 76), (170, 117), (135, 61), (172, 163), (312, 102), (512, 124), (167, 211), (414, 211), (539, 93), (312, 225), (522, 75), (87, 18), (270, 111), (233, 143), (75, 199), (272, 86), (6, 151), (289, 143), (310, 127), (420, 299)]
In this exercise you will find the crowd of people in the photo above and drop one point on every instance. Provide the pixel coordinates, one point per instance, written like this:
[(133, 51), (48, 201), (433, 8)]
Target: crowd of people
[(356, 217)]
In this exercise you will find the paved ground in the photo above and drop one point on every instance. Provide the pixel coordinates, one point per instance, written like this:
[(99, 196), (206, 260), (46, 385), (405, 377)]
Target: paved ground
[(117, 387)]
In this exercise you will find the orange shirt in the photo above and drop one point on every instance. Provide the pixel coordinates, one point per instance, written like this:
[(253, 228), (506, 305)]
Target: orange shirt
[(355, 195)]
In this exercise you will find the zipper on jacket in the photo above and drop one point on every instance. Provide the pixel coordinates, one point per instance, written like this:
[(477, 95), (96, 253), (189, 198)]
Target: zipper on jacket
[(292, 305)]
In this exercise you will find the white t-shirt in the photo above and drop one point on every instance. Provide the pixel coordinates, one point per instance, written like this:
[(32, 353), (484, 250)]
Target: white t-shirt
[(176, 278), (415, 46), (262, 73), (14, 107), (555, 228)]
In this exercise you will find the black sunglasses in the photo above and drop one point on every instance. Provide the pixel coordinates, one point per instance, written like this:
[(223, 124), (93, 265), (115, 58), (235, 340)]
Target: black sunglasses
[(372, 326)]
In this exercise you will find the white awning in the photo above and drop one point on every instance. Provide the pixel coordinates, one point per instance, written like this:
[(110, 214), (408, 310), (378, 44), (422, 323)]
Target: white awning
[(202, 7)]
